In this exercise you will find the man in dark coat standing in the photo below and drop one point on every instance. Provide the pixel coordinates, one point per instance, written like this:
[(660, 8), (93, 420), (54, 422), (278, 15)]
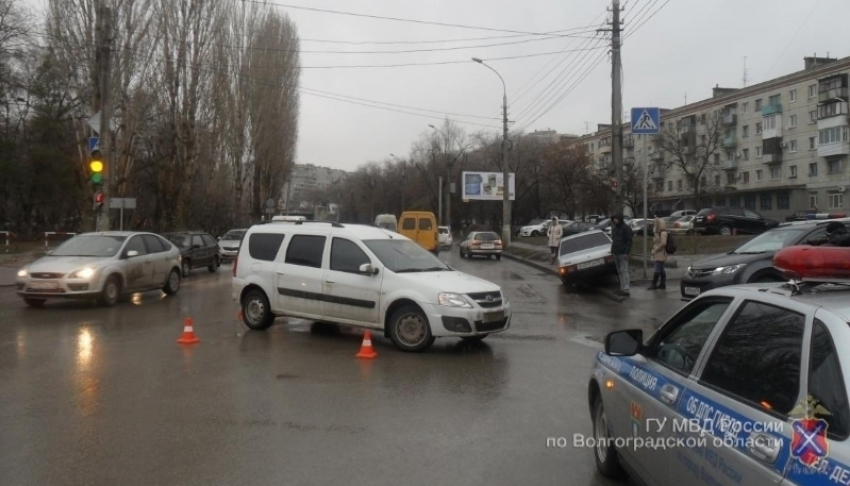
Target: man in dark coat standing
[(621, 246)]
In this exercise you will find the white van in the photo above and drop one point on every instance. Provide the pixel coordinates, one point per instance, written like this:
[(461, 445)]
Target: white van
[(362, 276), (289, 218), (387, 221)]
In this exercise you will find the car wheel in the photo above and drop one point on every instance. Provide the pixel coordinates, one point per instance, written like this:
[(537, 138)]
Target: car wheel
[(172, 285), (256, 311), (410, 330), (498, 258), (214, 265), (725, 230), (34, 302), (535, 233), (605, 454), (186, 267), (111, 291)]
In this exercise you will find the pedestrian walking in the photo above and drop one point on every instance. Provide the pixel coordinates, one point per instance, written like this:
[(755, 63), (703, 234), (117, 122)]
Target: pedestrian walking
[(555, 233), (621, 246), (659, 254)]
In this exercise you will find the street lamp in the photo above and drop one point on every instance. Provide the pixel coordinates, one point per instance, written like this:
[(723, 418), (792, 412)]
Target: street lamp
[(506, 196)]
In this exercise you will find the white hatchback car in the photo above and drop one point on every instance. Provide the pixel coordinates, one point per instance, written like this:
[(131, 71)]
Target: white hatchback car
[(362, 276)]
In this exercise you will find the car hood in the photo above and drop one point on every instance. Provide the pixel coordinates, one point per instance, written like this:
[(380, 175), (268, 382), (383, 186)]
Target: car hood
[(584, 255), (453, 281), (729, 259), (66, 264)]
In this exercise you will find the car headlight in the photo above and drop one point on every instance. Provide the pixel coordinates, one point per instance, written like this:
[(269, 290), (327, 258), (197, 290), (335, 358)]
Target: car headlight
[(82, 273), (728, 270), (23, 272), (453, 300)]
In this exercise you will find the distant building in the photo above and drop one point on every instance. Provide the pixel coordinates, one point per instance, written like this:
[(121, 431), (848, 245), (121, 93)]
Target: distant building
[(304, 180), (550, 136)]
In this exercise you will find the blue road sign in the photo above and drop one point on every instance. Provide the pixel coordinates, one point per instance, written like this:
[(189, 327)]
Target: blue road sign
[(94, 144), (646, 121)]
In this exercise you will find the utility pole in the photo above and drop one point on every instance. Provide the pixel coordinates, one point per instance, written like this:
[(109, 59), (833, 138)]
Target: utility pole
[(105, 13), (506, 176), (616, 109)]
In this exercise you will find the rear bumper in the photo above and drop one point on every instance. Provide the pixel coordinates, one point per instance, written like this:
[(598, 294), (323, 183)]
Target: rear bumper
[(494, 251), (572, 275)]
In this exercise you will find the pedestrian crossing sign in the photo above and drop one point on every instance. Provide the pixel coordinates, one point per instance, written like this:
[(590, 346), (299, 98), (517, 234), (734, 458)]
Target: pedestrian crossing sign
[(646, 121)]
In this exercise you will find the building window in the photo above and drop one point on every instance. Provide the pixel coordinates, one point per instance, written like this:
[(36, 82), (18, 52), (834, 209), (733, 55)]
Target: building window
[(832, 135), (833, 166), (783, 201), (735, 201), (758, 152), (813, 169), (813, 143), (702, 119), (745, 132), (766, 201), (702, 181), (758, 104), (745, 107), (758, 128), (750, 202), (792, 172), (793, 146), (813, 90), (813, 200), (716, 159), (745, 154), (770, 122), (730, 178), (813, 117), (792, 95), (775, 173), (746, 177), (836, 201), (759, 175), (669, 186), (792, 121), (679, 184)]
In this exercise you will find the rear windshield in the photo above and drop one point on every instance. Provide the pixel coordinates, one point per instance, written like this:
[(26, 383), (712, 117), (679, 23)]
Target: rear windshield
[(182, 241), (584, 242), (705, 211), (233, 235), (443, 231), (486, 236)]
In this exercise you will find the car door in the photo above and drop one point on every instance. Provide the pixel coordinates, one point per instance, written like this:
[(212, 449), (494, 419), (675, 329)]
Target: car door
[(159, 259), (210, 247), (298, 280), (655, 381), (426, 234), (746, 388), (138, 268), (755, 222), (735, 218), (349, 294), (408, 226), (196, 252)]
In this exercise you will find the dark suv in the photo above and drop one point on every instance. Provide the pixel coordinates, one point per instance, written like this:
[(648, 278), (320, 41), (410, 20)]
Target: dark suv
[(752, 262), (196, 250), (723, 220)]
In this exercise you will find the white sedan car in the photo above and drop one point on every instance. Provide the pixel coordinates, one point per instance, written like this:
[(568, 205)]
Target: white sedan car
[(445, 237), (585, 256)]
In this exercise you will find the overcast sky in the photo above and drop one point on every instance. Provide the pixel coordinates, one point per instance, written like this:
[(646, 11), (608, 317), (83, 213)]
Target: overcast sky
[(684, 49)]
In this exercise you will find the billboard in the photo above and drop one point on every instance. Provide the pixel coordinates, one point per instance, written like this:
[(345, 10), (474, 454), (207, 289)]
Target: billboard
[(486, 186)]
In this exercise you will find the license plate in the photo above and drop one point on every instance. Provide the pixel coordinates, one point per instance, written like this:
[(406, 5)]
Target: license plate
[(44, 285), (692, 291), (493, 316), (487, 247), (590, 264)]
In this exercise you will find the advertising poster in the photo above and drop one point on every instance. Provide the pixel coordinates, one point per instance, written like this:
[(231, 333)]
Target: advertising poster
[(486, 186)]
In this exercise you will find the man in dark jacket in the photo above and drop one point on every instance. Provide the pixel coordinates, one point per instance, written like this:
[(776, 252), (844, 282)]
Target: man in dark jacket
[(837, 234), (621, 246)]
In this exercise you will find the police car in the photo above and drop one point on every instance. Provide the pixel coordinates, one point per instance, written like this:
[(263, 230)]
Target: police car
[(746, 385)]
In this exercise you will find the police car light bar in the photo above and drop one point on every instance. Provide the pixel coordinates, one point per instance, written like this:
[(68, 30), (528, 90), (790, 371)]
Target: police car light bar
[(814, 264), (825, 215)]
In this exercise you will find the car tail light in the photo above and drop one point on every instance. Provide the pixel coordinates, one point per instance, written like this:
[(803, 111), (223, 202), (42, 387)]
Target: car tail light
[(476, 243), (498, 242), (814, 264), (564, 271), (711, 217)]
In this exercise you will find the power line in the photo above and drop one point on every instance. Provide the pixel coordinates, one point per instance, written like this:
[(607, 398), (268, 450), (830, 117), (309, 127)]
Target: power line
[(791, 39), (394, 19), (439, 41), (645, 20)]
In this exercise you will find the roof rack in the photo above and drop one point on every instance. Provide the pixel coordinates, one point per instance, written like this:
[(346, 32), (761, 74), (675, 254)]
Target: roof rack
[(332, 223)]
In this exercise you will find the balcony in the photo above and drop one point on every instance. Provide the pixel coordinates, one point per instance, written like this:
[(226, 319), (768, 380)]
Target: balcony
[(832, 94), (771, 109), (833, 149), (730, 165), (729, 142), (770, 159), (657, 155), (830, 110), (730, 119)]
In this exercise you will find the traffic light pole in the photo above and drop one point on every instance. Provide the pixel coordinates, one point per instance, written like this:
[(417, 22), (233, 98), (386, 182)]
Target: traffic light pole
[(106, 115)]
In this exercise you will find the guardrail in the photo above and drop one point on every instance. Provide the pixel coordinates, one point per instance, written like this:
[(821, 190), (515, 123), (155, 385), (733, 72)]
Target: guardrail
[(8, 234), (48, 233)]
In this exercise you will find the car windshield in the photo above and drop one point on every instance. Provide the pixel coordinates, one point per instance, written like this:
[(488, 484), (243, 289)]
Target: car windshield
[(486, 236), (584, 242), (443, 230), (705, 211), (90, 246), (234, 235), (388, 226), (771, 241), (402, 256)]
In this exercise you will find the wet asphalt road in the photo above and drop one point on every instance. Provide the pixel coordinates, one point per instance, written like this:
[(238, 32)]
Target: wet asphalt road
[(92, 395)]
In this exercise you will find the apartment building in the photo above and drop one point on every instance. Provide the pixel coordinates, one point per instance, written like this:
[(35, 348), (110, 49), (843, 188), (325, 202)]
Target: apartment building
[(783, 145)]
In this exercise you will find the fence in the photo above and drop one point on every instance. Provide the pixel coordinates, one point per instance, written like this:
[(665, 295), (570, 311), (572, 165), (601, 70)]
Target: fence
[(7, 235)]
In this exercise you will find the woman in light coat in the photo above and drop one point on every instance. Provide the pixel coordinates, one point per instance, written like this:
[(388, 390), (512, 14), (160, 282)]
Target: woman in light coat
[(555, 233), (659, 254)]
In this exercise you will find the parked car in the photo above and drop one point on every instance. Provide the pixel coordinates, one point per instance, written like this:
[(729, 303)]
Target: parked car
[(445, 236), (540, 228), (637, 225), (593, 218), (605, 225), (575, 227), (228, 245), (726, 220), (421, 227), (752, 262), (683, 212), (682, 226), (197, 250), (387, 221), (481, 243), (585, 256), (102, 266), (365, 277)]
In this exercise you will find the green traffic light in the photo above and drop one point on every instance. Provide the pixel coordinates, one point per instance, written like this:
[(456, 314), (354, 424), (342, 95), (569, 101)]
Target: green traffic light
[(96, 178)]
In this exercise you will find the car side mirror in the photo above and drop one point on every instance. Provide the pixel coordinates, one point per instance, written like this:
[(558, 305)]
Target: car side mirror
[(624, 343), (368, 269), (131, 254)]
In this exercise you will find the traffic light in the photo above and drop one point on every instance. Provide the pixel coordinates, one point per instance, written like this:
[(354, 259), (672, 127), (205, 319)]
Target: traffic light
[(96, 166), (98, 200)]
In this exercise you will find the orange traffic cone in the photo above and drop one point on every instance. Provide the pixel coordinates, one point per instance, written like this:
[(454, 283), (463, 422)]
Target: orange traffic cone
[(366, 350), (188, 336)]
